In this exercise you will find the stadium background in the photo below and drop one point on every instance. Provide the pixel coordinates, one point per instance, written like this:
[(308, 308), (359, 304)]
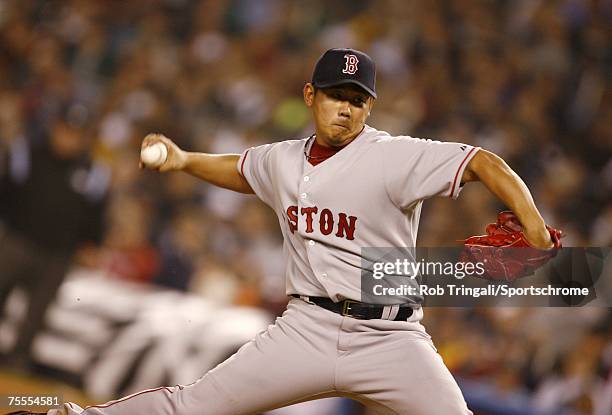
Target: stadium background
[(529, 80)]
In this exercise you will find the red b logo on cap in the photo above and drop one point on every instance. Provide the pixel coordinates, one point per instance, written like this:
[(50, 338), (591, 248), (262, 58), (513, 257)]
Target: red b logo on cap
[(350, 66)]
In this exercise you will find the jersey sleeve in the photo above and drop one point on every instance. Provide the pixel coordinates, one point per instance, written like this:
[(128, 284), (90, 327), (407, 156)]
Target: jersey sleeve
[(417, 169), (255, 166)]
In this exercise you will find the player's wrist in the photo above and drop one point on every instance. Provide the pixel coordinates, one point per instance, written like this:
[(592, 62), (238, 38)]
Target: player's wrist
[(184, 159), (539, 237)]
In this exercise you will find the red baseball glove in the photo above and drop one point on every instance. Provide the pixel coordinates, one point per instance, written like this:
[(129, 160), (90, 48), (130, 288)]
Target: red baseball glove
[(505, 253)]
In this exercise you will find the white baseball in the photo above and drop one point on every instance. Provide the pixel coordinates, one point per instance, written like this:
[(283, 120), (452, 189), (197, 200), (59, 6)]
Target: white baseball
[(154, 155)]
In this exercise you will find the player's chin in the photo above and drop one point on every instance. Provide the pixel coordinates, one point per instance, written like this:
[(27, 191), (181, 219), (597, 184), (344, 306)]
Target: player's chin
[(339, 132), (347, 135), (338, 140)]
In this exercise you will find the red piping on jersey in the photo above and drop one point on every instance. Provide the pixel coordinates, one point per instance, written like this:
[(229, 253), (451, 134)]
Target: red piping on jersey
[(242, 164), (459, 169), (133, 396)]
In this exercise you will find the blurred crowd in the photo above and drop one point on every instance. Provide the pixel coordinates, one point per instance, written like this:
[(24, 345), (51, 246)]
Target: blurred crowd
[(529, 80), (555, 359)]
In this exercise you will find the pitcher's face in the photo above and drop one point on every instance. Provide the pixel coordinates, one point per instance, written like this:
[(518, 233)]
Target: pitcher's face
[(339, 112)]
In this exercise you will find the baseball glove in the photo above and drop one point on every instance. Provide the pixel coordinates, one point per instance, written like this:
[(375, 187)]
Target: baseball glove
[(504, 252)]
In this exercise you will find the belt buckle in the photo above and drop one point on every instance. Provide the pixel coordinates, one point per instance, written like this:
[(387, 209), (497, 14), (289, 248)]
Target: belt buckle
[(346, 307)]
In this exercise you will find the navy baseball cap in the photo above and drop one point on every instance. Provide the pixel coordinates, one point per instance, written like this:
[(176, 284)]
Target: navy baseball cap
[(345, 66)]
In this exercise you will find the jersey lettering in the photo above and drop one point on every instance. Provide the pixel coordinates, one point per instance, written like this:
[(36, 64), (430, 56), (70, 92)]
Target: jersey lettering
[(345, 224), (348, 227), (308, 211), (350, 66), (326, 222), (292, 218)]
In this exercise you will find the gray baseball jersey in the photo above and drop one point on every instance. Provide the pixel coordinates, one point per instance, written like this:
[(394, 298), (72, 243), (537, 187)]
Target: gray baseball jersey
[(367, 195)]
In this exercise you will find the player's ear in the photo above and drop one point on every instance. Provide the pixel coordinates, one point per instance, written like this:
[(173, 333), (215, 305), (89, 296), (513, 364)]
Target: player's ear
[(370, 105), (309, 93)]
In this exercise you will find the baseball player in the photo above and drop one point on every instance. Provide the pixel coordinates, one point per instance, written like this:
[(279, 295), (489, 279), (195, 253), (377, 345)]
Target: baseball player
[(346, 187)]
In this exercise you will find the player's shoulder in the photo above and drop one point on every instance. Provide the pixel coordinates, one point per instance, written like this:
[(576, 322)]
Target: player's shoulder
[(383, 138), (283, 146), (293, 143)]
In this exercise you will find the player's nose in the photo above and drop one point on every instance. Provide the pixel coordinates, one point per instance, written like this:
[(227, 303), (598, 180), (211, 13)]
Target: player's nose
[(345, 109)]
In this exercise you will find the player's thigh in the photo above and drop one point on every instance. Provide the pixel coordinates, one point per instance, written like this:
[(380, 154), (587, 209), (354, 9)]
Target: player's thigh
[(405, 375), (292, 361)]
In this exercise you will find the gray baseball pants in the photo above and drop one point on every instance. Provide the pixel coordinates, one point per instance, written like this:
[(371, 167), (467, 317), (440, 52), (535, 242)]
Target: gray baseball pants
[(310, 353)]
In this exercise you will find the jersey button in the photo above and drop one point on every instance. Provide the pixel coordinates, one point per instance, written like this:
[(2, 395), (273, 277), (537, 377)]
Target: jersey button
[(303, 195), (324, 275), (306, 178), (311, 243)]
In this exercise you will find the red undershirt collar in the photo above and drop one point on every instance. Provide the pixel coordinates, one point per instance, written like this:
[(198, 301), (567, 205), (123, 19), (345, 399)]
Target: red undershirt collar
[(318, 153)]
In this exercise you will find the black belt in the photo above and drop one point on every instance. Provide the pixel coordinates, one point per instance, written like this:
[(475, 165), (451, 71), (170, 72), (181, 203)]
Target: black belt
[(361, 311)]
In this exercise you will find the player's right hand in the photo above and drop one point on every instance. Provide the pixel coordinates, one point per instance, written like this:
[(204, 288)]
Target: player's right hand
[(176, 158)]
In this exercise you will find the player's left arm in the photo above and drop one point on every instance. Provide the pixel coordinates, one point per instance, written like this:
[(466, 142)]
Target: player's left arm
[(504, 183)]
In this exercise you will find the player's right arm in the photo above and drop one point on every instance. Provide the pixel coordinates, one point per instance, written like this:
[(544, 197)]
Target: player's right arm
[(217, 169)]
